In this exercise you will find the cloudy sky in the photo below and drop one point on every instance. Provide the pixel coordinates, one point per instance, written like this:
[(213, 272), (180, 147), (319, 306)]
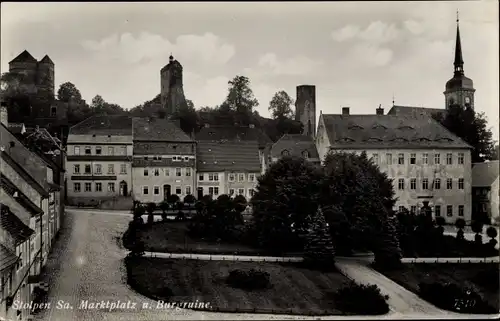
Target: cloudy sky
[(357, 54)]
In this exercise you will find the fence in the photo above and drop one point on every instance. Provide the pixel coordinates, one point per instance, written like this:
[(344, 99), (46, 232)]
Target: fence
[(451, 260), (221, 257)]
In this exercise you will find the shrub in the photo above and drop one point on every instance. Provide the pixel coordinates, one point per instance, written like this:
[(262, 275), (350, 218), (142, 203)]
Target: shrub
[(361, 299), (452, 297), (477, 227), (164, 208), (189, 199), (249, 280), (440, 221), (488, 278), (492, 233), (460, 224)]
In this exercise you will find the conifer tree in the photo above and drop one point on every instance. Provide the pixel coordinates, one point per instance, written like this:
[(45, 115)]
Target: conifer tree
[(388, 254), (318, 247)]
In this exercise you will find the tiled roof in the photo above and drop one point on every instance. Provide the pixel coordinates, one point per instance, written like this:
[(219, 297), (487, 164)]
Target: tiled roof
[(295, 144), (14, 226), (158, 129), (104, 125), (219, 156), (412, 111), (22, 199), (484, 174), (388, 131), (239, 133), (7, 257), (24, 56)]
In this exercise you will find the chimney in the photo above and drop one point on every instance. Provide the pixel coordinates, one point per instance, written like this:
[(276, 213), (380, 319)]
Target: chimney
[(345, 110), (380, 110), (4, 115)]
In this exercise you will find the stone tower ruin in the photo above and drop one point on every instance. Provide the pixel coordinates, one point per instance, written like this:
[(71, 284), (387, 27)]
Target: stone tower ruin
[(305, 109), (172, 92)]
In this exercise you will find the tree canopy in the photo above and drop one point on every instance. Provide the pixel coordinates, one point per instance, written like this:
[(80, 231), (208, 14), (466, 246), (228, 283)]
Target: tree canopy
[(68, 90), (473, 128), (280, 105), (240, 97)]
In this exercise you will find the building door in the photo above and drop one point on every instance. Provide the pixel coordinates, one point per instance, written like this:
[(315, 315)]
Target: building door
[(123, 188), (167, 190), (200, 193)]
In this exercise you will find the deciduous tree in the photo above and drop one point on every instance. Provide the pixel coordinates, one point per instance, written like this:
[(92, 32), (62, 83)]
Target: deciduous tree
[(240, 96), (280, 105), (68, 91)]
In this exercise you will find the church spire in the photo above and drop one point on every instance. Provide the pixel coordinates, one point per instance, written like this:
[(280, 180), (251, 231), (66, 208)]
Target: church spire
[(459, 62)]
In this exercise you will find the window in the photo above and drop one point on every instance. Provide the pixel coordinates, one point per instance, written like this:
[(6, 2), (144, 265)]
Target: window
[(98, 187), (200, 177), (449, 183), (77, 150), (241, 177), (305, 154), (449, 210), (231, 177), (437, 183), (251, 177), (460, 183), (437, 210), (156, 190), (146, 157), (401, 159), (401, 208), (375, 158), (285, 153), (188, 190), (401, 183), (111, 168), (241, 191), (211, 190), (437, 159), (186, 158), (413, 209), (111, 151), (98, 169), (88, 187), (413, 183), (449, 158), (167, 172), (77, 187), (111, 187), (76, 169), (178, 172), (425, 158), (389, 159), (210, 177), (178, 190), (88, 150), (98, 150), (461, 158), (425, 183), (460, 210), (123, 150), (156, 171), (87, 169), (145, 190), (231, 191), (146, 173), (188, 171), (53, 111), (251, 192), (123, 168), (413, 158)]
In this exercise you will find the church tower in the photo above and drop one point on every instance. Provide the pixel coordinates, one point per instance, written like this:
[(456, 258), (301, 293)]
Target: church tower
[(459, 89), (305, 109), (172, 92)]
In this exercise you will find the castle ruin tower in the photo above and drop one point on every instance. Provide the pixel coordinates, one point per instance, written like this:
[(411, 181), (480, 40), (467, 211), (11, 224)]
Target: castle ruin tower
[(459, 89), (305, 109), (172, 92), (45, 78)]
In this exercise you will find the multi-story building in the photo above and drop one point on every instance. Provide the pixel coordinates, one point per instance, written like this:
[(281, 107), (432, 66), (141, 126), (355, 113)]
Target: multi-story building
[(295, 145), (424, 160), (485, 191), (164, 160), (99, 158), (15, 262), (230, 159)]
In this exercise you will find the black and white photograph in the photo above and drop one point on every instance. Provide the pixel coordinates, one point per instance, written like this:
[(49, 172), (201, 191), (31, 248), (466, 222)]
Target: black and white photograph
[(275, 160)]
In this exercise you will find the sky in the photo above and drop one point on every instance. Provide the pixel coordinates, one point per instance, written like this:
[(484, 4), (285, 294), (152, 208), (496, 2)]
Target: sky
[(357, 54)]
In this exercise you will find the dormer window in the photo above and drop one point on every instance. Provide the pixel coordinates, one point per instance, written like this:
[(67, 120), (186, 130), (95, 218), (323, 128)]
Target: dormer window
[(405, 127), (305, 154), (444, 139), (345, 140), (400, 139), (378, 126), (374, 139), (285, 153), (354, 127), (53, 111), (423, 139)]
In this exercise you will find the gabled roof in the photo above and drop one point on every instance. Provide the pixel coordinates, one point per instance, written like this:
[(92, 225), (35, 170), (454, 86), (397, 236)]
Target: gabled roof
[(484, 174), (22, 199), (223, 155), (24, 56), (414, 111), (7, 258), (46, 59), (14, 226), (388, 131), (158, 129), (237, 133), (295, 144), (104, 125)]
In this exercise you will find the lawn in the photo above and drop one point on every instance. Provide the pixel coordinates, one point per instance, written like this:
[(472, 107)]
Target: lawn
[(448, 246), (172, 236), (294, 290), (410, 275)]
